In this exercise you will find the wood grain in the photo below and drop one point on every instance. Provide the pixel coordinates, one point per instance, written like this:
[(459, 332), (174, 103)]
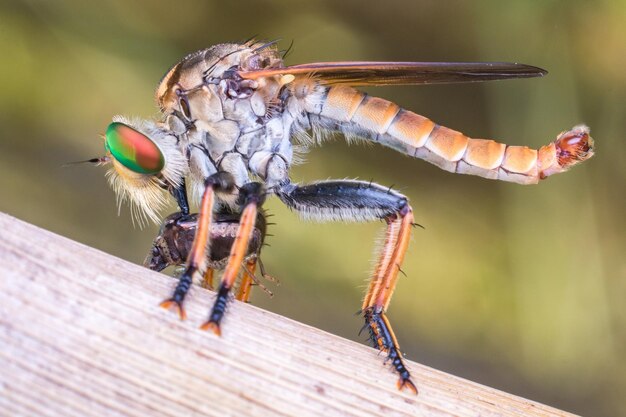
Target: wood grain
[(81, 335)]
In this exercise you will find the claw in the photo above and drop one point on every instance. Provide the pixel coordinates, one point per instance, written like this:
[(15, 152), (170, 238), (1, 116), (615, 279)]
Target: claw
[(212, 326), (406, 383), (177, 306)]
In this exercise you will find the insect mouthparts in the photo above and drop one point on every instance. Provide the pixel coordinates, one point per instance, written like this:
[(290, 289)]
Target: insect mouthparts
[(96, 161)]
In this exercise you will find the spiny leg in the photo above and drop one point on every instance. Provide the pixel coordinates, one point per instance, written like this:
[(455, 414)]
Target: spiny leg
[(254, 280), (264, 273), (251, 197), (247, 280), (381, 289), (197, 254), (363, 201)]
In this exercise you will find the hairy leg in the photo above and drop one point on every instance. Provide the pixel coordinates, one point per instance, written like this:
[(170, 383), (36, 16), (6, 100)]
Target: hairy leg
[(362, 201)]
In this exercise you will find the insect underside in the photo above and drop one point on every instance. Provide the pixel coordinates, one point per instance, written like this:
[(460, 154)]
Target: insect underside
[(230, 118)]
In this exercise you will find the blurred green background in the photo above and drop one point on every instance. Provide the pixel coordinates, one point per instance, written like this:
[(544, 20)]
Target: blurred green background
[(520, 288)]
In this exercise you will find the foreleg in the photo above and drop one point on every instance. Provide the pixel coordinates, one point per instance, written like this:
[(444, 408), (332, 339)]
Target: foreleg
[(251, 198), (219, 181)]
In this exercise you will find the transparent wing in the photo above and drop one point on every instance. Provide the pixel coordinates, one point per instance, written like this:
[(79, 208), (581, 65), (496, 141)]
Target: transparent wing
[(369, 73)]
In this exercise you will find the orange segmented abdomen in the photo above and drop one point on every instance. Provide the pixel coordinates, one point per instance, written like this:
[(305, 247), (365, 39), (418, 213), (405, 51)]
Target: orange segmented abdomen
[(354, 112)]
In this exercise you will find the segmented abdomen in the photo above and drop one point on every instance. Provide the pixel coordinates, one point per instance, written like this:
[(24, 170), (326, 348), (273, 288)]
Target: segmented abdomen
[(356, 113)]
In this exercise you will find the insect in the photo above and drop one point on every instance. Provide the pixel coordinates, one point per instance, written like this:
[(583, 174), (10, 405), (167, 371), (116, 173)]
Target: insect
[(172, 245), (230, 118)]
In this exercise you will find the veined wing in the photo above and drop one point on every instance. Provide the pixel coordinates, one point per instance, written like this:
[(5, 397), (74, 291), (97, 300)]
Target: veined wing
[(371, 73)]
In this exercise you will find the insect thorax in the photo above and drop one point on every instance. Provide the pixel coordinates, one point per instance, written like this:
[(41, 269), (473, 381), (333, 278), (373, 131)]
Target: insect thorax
[(228, 123)]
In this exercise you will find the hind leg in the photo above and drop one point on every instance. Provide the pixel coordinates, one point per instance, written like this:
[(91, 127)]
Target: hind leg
[(362, 201)]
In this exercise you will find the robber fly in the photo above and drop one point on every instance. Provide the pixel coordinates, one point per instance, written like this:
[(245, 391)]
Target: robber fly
[(230, 116)]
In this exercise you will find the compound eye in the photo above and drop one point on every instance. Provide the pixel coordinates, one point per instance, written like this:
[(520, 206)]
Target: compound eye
[(133, 149)]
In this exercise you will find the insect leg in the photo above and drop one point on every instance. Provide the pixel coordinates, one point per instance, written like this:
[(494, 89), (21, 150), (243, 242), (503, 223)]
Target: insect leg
[(197, 254), (207, 279), (251, 197), (180, 194), (363, 201), (382, 285), (245, 287)]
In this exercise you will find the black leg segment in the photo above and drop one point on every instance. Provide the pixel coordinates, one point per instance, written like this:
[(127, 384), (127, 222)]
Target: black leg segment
[(180, 194), (342, 200)]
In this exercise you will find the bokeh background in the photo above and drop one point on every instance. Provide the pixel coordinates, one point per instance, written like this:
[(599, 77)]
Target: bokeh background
[(520, 288)]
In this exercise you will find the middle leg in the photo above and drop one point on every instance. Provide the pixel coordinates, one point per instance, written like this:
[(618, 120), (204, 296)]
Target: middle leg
[(220, 181)]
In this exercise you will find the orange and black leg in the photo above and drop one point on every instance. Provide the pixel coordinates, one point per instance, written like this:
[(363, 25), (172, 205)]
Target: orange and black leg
[(364, 201), (251, 197), (382, 285), (197, 255)]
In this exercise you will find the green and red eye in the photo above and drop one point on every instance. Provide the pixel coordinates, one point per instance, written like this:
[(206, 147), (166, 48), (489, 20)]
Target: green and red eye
[(133, 149)]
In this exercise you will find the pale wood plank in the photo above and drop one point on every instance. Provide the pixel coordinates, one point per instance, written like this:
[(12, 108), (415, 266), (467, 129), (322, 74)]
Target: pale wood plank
[(81, 335)]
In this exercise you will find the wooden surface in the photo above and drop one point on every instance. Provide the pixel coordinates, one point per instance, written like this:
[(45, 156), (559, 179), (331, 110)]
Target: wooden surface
[(81, 335)]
